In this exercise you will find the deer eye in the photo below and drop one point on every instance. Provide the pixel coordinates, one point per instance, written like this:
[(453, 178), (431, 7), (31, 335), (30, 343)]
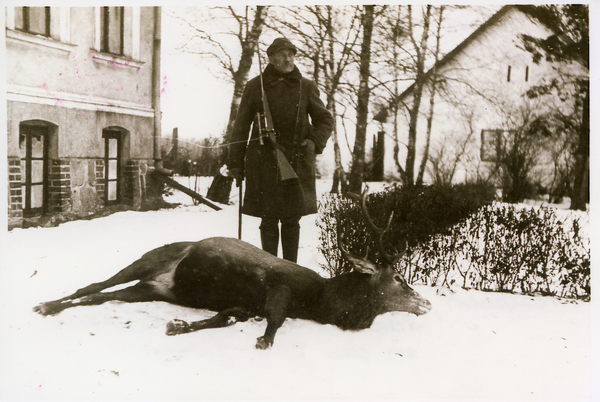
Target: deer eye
[(398, 278)]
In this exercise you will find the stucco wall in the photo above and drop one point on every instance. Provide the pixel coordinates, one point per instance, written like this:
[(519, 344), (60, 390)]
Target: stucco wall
[(478, 95), (68, 85), (76, 69), (80, 131)]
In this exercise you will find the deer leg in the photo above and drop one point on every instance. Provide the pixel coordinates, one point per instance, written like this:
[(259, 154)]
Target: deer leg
[(142, 292), (221, 319), (133, 272), (278, 300)]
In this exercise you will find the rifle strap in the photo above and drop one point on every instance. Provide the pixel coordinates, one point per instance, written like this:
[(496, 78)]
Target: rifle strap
[(266, 105), (298, 112)]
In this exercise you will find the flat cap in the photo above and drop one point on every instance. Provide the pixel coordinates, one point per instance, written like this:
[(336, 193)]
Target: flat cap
[(280, 44)]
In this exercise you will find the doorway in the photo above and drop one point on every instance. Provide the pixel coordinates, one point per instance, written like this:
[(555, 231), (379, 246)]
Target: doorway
[(112, 165), (33, 152)]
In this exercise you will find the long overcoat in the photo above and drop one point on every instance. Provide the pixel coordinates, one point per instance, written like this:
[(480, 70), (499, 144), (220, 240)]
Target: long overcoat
[(298, 114)]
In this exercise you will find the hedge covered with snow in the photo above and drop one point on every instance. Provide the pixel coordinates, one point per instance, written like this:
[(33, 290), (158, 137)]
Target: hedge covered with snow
[(455, 236)]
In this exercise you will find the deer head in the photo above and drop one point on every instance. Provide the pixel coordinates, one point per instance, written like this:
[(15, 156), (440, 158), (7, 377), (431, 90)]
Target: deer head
[(389, 286)]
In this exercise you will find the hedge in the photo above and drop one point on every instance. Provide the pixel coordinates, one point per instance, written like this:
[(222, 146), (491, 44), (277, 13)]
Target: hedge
[(456, 236)]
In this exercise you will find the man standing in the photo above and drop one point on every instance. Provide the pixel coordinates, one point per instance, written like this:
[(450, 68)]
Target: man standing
[(292, 100)]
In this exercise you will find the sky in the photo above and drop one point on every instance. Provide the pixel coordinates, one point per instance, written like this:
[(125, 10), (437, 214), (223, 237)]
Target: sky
[(196, 101), (193, 98), (196, 93)]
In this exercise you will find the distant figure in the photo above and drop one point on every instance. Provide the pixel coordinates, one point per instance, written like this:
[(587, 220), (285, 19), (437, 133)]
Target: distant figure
[(292, 99)]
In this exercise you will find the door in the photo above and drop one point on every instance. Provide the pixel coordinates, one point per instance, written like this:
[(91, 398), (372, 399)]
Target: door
[(112, 165), (33, 148)]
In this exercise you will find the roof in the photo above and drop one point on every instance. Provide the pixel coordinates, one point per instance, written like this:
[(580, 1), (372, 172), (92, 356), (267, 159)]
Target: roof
[(471, 38)]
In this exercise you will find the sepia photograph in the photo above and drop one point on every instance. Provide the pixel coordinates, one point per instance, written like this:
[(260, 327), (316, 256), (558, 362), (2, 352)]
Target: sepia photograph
[(297, 202)]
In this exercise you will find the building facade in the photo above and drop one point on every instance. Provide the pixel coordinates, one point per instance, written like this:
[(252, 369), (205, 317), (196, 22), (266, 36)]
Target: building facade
[(481, 100), (80, 119)]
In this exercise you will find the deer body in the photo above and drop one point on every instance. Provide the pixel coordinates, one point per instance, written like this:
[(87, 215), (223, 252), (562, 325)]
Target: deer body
[(240, 281), (221, 273)]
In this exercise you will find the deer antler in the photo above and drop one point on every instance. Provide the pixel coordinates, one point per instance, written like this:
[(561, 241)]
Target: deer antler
[(343, 249), (377, 232)]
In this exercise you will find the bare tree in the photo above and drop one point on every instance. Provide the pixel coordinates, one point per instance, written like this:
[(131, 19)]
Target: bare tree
[(445, 159), (248, 35), (329, 35), (394, 61), (411, 49), (362, 110), (249, 23), (570, 42), (405, 49), (433, 83), (420, 49), (518, 151)]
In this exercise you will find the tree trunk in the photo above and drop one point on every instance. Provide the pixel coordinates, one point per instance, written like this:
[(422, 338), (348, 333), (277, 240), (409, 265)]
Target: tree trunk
[(378, 168), (362, 110), (428, 136), (240, 76), (581, 195), (396, 35), (434, 84), (421, 50), (339, 184), (397, 146)]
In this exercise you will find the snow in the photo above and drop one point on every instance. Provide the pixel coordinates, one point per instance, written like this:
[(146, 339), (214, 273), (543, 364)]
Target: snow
[(472, 345)]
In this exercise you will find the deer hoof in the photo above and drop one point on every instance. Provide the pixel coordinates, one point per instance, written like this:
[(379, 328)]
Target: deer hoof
[(45, 308), (177, 327), (262, 343)]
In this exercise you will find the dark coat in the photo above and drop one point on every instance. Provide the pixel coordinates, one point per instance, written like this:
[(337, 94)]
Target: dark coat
[(265, 195)]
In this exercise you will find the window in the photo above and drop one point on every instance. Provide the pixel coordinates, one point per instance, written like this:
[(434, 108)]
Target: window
[(33, 150), (493, 144), (112, 170), (49, 27), (112, 23), (35, 20), (117, 36)]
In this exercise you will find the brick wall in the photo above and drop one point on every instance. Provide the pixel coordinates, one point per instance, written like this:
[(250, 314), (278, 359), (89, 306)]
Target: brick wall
[(15, 198), (59, 186), (100, 183), (60, 182)]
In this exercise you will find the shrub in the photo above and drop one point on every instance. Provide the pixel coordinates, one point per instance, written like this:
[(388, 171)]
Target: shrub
[(419, 213), (497, 248), (506, 248)]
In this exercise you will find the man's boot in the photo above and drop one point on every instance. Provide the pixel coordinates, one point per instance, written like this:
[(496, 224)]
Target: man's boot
[(290, 238), (269, 235)]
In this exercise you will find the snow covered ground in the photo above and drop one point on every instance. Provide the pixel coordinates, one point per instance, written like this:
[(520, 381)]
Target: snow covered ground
[(472, 345)]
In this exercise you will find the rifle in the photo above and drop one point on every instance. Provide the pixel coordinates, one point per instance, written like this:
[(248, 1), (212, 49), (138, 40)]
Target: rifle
[(266, 130)]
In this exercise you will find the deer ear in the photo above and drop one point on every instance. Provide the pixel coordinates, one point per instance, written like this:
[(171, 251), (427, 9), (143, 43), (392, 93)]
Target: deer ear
[(363, 266)]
